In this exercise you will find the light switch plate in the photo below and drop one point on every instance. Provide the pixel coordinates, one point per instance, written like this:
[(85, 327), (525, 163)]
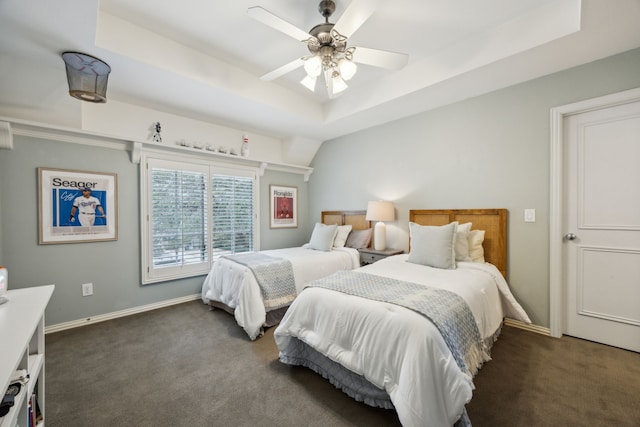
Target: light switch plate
[(529, 215)]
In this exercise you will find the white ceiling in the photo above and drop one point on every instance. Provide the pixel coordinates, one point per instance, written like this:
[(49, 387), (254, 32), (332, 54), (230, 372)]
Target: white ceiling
[(203, 59)]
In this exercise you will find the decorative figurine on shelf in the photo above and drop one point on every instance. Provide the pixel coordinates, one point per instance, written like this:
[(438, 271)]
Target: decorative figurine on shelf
[(156, 135), (244, 151)]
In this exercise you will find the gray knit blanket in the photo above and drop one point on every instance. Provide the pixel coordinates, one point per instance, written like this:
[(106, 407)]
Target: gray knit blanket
[(448, 311), (274, 276)]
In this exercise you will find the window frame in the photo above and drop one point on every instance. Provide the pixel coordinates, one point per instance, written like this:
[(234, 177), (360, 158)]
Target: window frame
[(151, 274)]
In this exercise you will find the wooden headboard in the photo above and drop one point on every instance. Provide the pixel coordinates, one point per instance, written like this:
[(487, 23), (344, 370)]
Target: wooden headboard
[(357, 219), (493, 221)]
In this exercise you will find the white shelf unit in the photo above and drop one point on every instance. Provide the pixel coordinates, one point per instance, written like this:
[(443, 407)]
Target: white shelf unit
[(10, 127), (22, 338)]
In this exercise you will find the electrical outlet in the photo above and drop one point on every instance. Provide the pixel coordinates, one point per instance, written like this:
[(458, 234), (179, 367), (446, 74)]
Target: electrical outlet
[(87, 289)]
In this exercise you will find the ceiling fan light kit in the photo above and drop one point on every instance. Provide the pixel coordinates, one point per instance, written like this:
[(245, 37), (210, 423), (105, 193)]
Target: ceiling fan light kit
[(313, 66), (347, 69), (337, 83), (309, 82), (327, 44)]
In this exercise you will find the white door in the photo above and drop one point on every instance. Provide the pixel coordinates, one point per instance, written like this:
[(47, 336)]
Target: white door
[(601, 222)]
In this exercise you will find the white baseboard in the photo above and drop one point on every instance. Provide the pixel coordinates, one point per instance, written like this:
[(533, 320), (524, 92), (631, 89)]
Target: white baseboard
[(122, 313), (527, 327), (141, 309)]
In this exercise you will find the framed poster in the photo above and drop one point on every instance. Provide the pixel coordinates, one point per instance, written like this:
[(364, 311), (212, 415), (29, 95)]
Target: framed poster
[(284, 206), (76, 206)]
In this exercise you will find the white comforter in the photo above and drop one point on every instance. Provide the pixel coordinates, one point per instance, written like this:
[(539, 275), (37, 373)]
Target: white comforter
[(395, 348), (235, 285)]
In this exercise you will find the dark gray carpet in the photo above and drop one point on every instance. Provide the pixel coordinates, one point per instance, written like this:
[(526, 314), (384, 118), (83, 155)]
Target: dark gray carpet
[(535, 380), (187, 366)]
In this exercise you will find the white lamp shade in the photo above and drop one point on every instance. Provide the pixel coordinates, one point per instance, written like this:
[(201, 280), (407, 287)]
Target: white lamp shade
[(309, 82), (338, 84), (380, 211), (313, 66), (348, 69)]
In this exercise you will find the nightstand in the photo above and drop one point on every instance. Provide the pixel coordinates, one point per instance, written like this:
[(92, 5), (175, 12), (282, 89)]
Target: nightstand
[(370, 255)]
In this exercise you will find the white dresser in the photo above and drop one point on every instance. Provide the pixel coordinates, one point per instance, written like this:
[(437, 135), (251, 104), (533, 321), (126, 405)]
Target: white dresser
[(22, 347)]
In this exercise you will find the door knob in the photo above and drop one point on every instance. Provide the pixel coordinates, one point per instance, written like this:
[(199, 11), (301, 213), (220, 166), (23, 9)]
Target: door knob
[(570, 236)]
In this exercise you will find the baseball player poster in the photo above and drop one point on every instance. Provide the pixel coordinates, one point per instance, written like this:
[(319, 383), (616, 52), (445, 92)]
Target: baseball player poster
[(76, 206)]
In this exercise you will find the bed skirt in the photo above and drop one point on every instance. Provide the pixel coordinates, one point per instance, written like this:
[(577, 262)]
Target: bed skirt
[(298, 353), (354, 385), (273, 317)]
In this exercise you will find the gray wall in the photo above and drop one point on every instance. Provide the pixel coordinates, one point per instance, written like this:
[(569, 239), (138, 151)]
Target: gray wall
[(274, 238), (491, 151), (113, 267)]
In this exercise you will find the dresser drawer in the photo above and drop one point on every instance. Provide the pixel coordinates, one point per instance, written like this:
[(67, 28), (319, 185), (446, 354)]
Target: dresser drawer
[(369, 258)]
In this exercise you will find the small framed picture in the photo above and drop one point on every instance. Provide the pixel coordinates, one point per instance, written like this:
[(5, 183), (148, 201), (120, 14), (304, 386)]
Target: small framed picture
[(76, 206), (284, 206)]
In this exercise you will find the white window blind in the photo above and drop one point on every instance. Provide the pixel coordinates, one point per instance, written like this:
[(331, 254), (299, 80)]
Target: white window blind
[(193, 214), (178, 217), (233, 214)]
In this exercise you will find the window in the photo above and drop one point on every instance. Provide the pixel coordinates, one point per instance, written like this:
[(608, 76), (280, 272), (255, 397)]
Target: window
[(194, 213), (233, 214)]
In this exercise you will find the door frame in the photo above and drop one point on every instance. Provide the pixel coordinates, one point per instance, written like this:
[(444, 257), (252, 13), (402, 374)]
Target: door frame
[(556, 169)]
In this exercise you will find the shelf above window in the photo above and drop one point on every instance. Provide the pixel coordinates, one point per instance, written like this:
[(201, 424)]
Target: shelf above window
[(10, 127)]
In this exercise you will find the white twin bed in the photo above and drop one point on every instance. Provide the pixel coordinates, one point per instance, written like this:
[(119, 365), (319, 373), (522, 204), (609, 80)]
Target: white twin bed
[(376, 332), (235, 284)]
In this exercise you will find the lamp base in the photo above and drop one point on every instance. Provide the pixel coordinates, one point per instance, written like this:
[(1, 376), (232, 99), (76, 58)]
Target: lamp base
[(380, 236)]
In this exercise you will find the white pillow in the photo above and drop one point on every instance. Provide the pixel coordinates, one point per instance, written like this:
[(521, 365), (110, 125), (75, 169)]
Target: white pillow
[(433, 245), (323, 236), (341, 235), (476, 251), (462, 242)]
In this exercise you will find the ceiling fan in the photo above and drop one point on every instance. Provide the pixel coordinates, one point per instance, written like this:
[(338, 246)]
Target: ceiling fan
[(327, 45)]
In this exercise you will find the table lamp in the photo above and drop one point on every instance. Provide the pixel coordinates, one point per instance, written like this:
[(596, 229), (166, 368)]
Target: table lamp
[(380, 211)]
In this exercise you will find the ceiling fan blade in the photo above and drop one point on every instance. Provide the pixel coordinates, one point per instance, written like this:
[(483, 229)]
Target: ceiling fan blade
[(355, 15), (380, 58), (283, 70), (268, 18)]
